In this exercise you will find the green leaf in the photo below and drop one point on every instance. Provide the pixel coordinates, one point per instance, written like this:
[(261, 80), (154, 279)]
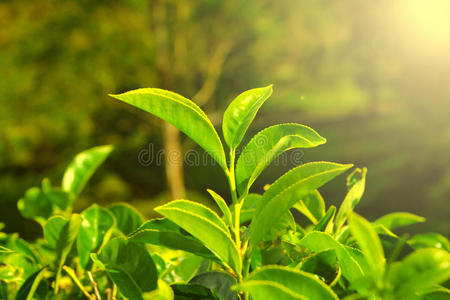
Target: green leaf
[(320, 241), (418, 271), (130, 267), (206, 226), (326, 220), (29, 287), (312, 206), (218, 282), (286, 191), (95, 226), (83, 167), (181, 113), (192, 292), (324, 264), (241, 112), (128, 219), (223, 207), (356, 183), (283, 283), (163, 232), (60, 234), (57, 196), (35, 205), (369, 243), (266, 145), (399, 219), (429, 240)]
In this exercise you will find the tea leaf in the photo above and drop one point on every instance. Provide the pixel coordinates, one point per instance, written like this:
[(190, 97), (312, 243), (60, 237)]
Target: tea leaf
[(369, 243), (283, 283), (218, 282), (326, 220), (83, 167), (128, 219), (35, 205), (320, 241), (29, 287), (356, 183), (418, 271), (163, 232), (399, 219), (266, 145), (312, 206), (286, 191), (241, 112), (429, 240), (206, 226), (130, 267), (181, 113), (96, 223), (223, 207)]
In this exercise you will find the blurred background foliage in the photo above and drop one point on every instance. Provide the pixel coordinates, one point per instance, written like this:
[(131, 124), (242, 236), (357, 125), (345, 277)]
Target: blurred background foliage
[(370, 76)]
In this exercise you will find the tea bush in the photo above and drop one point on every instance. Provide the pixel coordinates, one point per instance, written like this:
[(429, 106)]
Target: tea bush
[(254, 250)]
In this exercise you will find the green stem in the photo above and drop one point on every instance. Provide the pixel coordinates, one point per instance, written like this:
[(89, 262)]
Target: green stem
[(237, 206)]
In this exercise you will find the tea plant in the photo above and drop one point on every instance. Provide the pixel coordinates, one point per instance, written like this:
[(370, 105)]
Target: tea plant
[(253, 250)]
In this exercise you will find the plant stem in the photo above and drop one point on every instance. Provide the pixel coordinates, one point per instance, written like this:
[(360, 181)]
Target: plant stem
[(237, 204), (75, 279), (94, 286)]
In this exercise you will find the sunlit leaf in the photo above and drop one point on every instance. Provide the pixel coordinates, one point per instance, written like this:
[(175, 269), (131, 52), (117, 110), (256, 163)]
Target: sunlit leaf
[(399, 219), (419, 271), (356, 183), (369, 243), (83, 167), (326, 220), (35, 205), (223, 207), (181, 113), (287, 190), (429, 240), (283, 283), (241, 112), (206, 226), (266, 145), (312, 206)]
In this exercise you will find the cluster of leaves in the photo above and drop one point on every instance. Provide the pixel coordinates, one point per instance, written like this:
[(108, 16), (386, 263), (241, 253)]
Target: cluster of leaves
[(255, 249)]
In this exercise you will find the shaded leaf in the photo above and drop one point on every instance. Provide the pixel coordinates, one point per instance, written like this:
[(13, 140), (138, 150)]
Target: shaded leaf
[(94, 228), (128, 219), (320, 241), (29, 287), (192, 292), (326, 220), (130, 267), (35, 205), (218, 282)]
